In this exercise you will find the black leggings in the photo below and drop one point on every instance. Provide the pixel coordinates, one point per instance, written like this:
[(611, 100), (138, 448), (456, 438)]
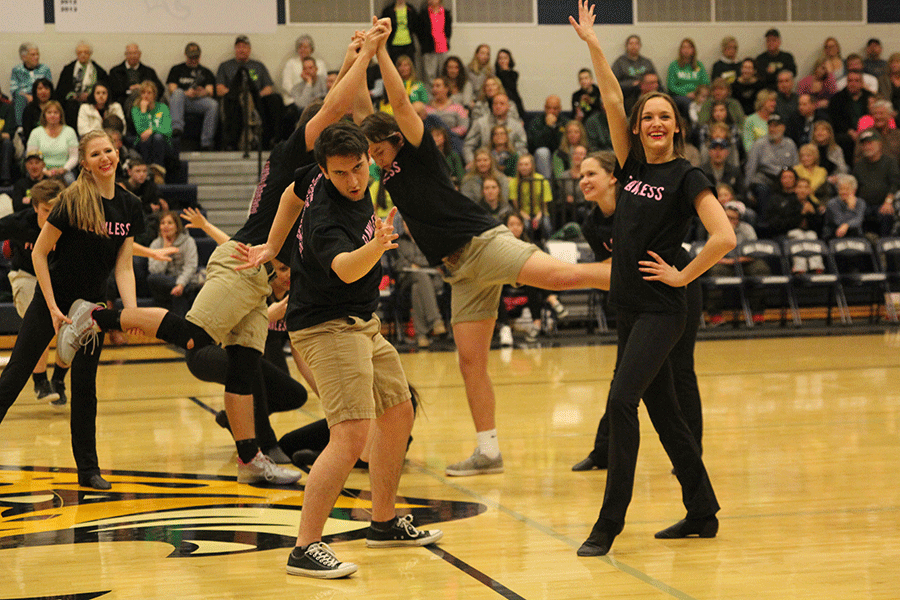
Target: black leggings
[(681, 360), (273, 389), (34, 336), (642, 371)]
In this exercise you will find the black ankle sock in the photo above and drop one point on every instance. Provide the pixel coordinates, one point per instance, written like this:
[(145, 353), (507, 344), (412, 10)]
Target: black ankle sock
[(382, 525), (299, 551), (39, 377), (59, 373), (247, 449), (108, 319)]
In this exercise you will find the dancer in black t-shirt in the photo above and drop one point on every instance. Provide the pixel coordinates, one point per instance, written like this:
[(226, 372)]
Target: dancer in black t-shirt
[(231, 307), (598, 183), (660, 194), (478, 254), (92, 229)]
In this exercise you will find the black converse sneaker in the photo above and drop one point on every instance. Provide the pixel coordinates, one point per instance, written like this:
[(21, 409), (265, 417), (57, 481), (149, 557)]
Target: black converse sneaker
[(319, 561), (402, 533)]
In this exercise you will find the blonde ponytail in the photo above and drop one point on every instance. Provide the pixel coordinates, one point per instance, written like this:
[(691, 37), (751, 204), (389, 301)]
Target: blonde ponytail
[(81, 200)]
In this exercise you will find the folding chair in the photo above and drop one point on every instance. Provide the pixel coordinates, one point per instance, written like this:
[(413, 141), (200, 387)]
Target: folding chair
[(829, 281), (733, 282), (857, 266), (779, 279)]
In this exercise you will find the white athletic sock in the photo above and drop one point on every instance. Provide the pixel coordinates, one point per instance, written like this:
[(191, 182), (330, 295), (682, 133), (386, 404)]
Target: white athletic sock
[(488, 443)]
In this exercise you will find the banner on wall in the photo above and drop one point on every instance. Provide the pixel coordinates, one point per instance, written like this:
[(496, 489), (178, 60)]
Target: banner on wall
[(21, 17), (163, 16)]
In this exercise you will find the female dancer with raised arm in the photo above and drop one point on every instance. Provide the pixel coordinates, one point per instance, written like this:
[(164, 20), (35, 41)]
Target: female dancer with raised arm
[(661, 192), (92, 229)]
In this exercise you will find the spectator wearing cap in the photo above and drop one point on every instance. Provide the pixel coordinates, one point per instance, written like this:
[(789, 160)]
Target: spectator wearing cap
[(34, 172), (774, 60), (855, 65), (244, 73), (769, 156), (881, 118), (720, 168), (878, 178), (125, 78), (873, 64), (191, 91), (845, 110)]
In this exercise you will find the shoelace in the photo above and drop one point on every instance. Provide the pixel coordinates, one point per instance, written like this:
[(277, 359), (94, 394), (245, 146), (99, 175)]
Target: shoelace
[(323, 555), (89, 338), (405, 522)]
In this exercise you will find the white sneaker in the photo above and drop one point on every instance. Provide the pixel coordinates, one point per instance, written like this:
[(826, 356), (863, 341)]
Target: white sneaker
[(477, 464), (80, 332), (262, 470), (506, 337)]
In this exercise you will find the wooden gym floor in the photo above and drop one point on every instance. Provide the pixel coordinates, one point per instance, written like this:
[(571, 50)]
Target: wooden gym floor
[(802, 442)]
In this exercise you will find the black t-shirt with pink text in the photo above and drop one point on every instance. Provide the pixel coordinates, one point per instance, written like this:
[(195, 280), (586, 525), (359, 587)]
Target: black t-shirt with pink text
[(440, 219), (653, 212), (277, 174), (83, 260), (330, 224)]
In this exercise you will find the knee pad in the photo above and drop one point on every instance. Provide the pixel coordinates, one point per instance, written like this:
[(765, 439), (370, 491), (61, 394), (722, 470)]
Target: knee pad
[(243, 367), (207, 363), (179, 331)]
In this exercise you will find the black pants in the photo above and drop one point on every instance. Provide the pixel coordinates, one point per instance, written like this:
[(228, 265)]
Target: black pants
[(642, 371), (34, 336), (681, 360), (274, 390)]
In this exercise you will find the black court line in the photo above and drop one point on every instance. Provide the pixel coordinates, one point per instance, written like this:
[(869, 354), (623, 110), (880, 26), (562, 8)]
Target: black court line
[(203, 405), (474, 573)]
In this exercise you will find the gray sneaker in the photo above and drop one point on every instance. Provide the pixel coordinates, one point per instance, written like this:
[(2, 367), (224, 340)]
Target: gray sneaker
[(262, 470), (477, 464), (80, 332)]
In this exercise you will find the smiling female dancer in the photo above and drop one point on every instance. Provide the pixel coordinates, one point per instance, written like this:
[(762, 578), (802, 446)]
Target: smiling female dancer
[(92, 229), (661, 192)]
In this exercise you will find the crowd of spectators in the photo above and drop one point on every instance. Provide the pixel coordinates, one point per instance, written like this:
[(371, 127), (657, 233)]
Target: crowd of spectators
[(790, 152)]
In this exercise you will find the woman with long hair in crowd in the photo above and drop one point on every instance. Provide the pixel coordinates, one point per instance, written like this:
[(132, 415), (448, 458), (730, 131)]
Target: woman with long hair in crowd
[(661, 193), (56, 141), (480, 66), (91, 114), (92, 230), (460, 86), (41, 94), (505, 70), (153, 124)]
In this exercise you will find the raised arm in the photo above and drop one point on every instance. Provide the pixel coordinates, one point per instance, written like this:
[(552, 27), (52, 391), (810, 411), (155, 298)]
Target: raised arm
[(342, 95), (610, 91), (410, 124), (195, 218), (362, 102)]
